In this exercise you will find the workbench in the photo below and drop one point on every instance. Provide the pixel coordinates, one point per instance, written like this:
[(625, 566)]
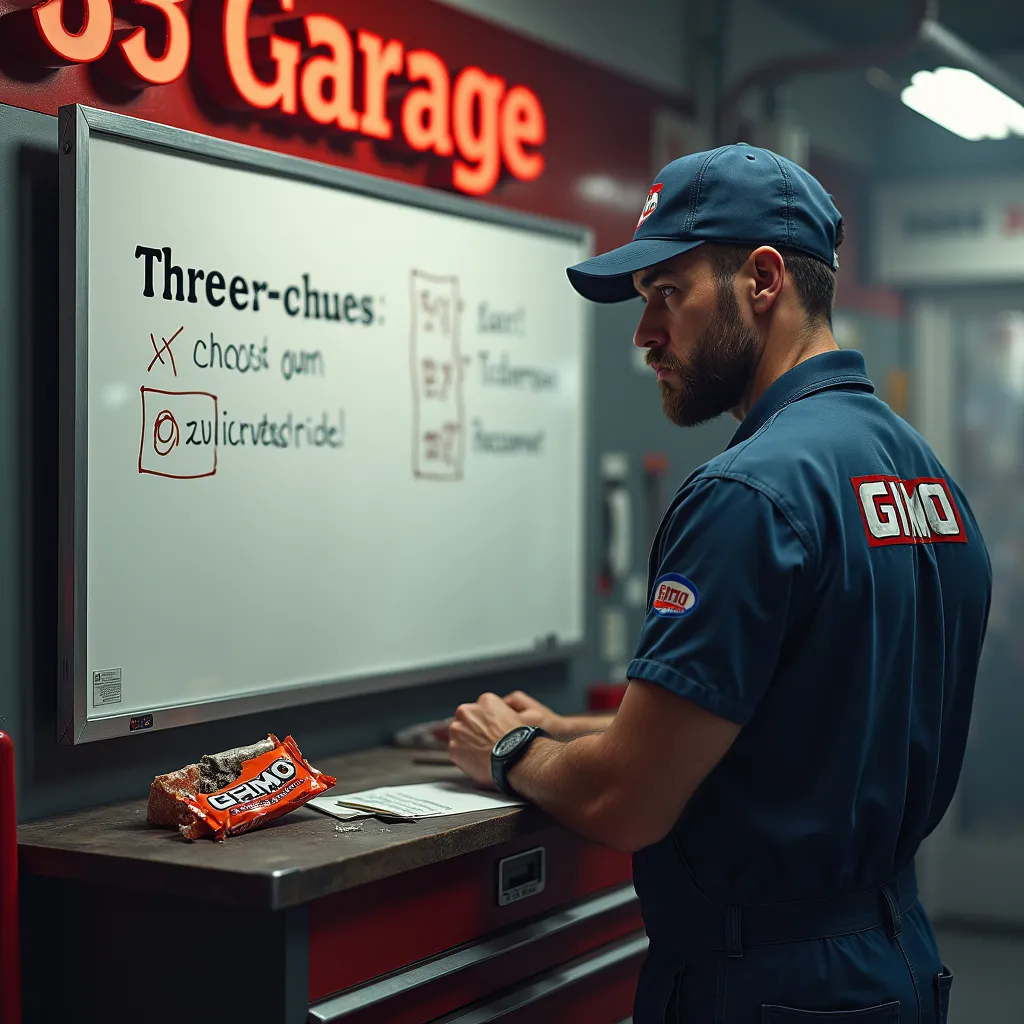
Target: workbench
[(309, 920)]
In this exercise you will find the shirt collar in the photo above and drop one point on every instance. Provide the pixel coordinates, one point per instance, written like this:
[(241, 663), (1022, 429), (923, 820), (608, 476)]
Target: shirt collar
[(840, 369)]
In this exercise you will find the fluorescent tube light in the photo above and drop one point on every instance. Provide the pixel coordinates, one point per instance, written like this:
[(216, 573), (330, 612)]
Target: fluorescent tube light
[(965, 104)]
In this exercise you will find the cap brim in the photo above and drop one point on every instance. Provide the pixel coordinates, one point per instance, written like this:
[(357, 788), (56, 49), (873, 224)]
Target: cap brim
[(609, 277)]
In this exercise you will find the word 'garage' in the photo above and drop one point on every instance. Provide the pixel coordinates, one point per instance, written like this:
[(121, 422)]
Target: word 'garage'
[(316, 71)]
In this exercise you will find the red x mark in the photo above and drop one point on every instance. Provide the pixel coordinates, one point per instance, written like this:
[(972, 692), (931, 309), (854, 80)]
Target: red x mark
[(166, 347)]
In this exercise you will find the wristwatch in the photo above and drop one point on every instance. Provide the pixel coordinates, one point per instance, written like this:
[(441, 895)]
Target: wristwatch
[(508, 750)]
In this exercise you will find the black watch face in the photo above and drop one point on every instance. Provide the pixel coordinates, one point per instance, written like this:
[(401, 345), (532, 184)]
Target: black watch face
[(509, 743)]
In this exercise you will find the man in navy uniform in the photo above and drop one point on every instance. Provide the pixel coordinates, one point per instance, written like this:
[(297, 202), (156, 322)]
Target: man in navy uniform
[(798, 703)]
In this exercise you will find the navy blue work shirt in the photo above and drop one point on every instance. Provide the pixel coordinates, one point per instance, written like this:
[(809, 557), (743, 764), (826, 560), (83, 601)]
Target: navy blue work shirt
[(824, 584)]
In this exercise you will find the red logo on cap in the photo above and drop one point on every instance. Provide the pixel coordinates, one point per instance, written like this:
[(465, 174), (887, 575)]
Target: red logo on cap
[(651, 205)]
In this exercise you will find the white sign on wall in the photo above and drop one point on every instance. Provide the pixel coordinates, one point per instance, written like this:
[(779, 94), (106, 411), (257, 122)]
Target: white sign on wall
[(951, 232)]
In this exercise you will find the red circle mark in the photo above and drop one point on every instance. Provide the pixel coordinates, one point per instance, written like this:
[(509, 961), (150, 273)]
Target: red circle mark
[(165, 433)]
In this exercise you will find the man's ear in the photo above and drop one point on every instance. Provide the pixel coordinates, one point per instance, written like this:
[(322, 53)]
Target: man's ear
[(767, 273)]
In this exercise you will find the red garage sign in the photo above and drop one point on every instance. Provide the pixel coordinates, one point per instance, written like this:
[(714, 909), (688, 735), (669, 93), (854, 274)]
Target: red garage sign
[(313, 69)]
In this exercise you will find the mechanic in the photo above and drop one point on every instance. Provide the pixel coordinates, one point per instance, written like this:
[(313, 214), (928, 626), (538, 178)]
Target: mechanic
[(798, 703)]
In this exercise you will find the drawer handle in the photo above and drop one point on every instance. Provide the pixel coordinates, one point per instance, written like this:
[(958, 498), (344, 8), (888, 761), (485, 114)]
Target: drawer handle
[(549, 984), (337, 1008)]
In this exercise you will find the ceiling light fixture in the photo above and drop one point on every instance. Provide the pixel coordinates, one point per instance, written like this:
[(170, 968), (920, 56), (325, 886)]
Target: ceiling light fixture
[(964, 104)]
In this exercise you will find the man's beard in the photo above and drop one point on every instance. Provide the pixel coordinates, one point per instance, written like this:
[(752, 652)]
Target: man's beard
[(720, 368)]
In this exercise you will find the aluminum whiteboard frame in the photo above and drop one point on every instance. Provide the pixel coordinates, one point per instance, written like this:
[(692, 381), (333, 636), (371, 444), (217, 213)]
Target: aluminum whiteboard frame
[(76, 125)]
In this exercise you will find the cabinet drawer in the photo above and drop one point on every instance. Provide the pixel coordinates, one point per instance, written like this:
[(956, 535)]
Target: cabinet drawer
[(597, 988), (499, 962), (373, 930)]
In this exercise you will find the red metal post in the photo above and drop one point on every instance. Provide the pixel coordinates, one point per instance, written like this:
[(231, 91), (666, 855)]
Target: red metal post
[(10, 946)]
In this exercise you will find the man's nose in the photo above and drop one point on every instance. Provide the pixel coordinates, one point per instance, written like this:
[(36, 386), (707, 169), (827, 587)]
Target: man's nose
[(648, 332)]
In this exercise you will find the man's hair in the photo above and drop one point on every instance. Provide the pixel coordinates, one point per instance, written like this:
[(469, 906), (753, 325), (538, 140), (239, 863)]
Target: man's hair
[(814, 282)]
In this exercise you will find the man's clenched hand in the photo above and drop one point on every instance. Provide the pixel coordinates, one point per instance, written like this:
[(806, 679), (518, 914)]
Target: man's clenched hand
[(533, 712), (474, 731)]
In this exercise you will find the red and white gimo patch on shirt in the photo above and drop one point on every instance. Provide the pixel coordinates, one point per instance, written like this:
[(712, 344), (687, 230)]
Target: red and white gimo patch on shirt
[(896, 511)]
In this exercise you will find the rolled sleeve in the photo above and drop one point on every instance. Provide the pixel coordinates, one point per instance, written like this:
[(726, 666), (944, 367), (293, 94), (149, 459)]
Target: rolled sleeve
[(726, 580)]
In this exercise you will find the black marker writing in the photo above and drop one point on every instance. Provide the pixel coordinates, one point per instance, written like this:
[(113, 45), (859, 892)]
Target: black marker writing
[(163, 278)]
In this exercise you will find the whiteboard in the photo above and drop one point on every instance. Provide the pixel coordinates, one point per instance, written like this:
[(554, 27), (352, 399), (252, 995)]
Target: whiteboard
[(320, 433)]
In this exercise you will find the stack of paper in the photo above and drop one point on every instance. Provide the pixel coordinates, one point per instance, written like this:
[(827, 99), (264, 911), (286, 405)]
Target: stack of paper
[(422, 800)]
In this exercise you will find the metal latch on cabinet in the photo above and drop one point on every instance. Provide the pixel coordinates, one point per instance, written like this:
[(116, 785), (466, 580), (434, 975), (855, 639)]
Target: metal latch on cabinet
[(521, 875)]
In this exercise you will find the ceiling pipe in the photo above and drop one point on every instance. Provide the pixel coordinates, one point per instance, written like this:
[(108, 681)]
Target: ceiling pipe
[(963, 55), (923, 27)]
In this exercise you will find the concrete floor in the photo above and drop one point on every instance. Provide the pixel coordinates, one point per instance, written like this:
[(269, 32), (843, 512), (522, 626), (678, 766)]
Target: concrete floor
[(988, 984)]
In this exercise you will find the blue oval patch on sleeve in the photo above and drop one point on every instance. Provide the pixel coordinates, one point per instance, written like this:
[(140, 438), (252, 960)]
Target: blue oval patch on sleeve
[(674, 595)]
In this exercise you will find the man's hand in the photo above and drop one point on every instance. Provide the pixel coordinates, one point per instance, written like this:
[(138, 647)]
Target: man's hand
[(532, 712), (474, 731)]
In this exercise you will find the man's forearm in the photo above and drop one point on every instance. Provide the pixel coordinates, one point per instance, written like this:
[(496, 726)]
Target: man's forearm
[(582, 725), (577, 783)]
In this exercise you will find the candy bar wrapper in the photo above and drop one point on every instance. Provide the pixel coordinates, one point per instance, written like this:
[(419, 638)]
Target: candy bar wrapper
[(271, 784)]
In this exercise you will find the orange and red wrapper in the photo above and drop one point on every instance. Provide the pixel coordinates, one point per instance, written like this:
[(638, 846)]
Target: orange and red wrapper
[(269, 785)]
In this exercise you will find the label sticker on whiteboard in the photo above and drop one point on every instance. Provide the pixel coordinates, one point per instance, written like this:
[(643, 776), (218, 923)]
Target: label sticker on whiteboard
[(106, 687)]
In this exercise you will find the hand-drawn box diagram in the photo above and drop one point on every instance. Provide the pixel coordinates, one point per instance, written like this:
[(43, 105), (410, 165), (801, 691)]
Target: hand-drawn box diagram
[(439, 433), (179, 434)]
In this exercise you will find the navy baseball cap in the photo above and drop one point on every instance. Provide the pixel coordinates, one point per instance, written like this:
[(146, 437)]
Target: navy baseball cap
[(734, 195)]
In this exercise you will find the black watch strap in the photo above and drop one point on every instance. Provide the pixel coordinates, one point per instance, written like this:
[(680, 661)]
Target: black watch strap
[(508, 750)]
